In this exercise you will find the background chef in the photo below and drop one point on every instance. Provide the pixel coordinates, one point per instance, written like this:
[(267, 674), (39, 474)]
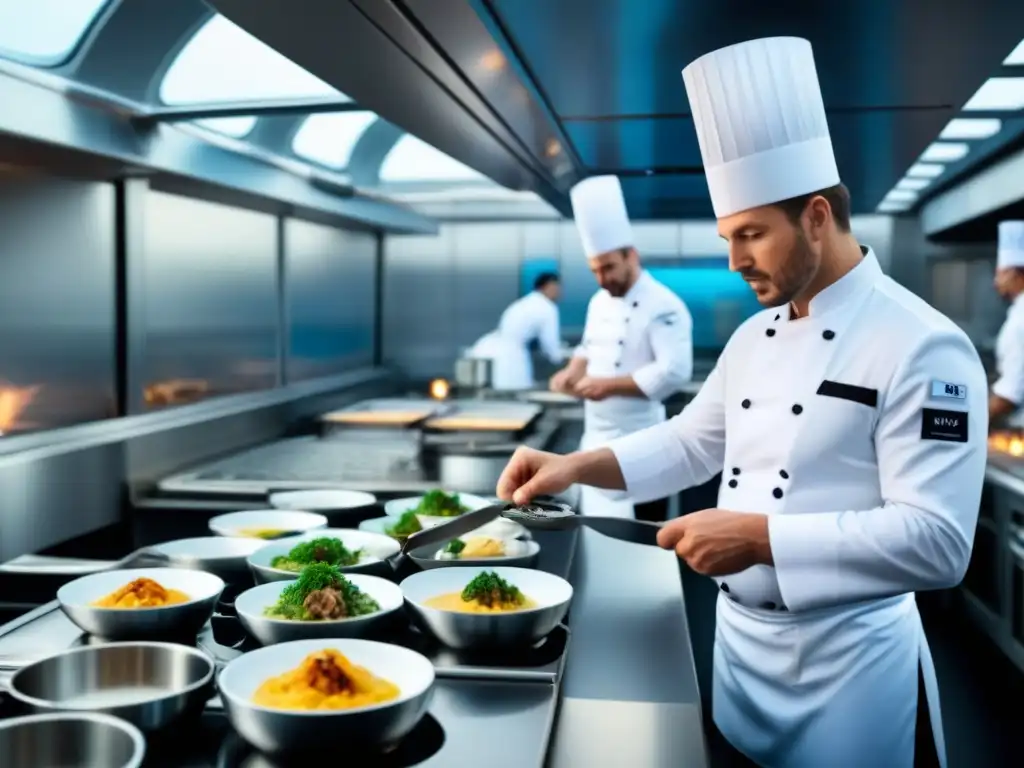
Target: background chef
[(1008, 391), (637, 346), (849, 422), (534, 317)]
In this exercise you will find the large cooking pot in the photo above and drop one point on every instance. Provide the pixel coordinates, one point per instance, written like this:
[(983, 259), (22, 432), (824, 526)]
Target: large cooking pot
[(473, 372)]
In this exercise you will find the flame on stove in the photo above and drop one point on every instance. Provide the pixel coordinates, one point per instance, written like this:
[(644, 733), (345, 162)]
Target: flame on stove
[(175, 392), (439, 389), (13, 402), (1010, 443)]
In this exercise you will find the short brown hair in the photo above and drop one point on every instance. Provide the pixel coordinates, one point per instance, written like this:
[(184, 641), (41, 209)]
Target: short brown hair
[(838, 198)]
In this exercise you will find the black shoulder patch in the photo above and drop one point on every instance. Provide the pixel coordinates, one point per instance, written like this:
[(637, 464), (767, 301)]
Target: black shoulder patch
[(950, 426)]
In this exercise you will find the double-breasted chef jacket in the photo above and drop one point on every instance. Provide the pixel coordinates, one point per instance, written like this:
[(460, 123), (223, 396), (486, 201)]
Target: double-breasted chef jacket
[(1010, 360), (860, 430), (531, 317)]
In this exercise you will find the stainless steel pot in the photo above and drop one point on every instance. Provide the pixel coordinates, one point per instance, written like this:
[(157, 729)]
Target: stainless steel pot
[(473, 372), (74, 740)]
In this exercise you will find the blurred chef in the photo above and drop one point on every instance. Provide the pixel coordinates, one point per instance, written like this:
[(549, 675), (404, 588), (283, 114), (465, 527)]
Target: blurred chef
[(637, 344), (1008, 391), (849, 422), (534, 317)]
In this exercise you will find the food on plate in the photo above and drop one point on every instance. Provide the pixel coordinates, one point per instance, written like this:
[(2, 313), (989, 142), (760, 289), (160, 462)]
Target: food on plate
[(487, 592), (323, 549), (321, 593), (405, 526), (142, 593), (440, 504), (325, 680), (261, 533), (473, 547)]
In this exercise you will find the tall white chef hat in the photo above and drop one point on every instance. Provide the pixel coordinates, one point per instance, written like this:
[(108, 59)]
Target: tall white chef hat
[(761, 124), (600, 213), (1011, 244)]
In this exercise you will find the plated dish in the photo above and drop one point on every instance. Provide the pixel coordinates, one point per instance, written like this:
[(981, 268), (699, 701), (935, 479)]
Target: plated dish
[(474, 549), (415, 513), (349, 550), (266, 523)]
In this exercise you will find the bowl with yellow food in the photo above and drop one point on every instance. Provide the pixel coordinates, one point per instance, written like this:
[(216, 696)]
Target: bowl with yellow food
[(360, 693), (349, 550), (480, 607), (322, 603), (141, 603), (474, 549), (266, 524)]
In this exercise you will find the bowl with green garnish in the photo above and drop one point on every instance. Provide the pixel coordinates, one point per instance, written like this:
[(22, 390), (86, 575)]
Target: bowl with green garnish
[(437, 507), (348, 550), (322, 602)]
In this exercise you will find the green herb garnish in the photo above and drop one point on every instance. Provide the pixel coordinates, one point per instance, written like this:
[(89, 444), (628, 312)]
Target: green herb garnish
[(488, 588), (320, 550), (440, 504), (321, 592), (455, 546), (405, 526)]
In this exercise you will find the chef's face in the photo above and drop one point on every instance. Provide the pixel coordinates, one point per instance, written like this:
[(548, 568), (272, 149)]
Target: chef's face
[(616, 270), (776, 257), (1009, 282)]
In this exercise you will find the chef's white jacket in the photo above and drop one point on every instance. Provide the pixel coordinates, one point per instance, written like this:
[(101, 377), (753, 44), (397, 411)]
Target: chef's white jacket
[(533, 316), (1010, 360), (860, 430)]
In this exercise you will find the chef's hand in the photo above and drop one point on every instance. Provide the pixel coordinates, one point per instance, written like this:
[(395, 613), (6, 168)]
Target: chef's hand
[(562, 382), (718, 542), (593, 389), (532, 473)]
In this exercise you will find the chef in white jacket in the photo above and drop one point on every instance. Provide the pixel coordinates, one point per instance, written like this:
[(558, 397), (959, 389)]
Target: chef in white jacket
[(637, 346), (849, 420), (1008, 391), (534, 317)]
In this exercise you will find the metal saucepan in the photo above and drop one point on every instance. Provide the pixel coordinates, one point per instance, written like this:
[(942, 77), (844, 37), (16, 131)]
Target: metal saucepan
[(79, 740), (149, 685)]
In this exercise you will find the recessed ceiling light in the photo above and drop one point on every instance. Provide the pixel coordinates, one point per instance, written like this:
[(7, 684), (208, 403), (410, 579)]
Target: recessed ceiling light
[(1016, 58), (926, 170), (913, 184), (945, 152), (971, 128), (998, 94), (900, 196)]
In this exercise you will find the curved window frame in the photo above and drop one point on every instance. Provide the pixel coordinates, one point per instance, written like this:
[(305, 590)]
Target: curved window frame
[(311, 142), (419, 153), (74, 45)]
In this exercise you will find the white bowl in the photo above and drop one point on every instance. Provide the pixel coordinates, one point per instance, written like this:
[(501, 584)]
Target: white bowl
[(251, 604), (322, 501), (281, 730), (222, 556), (377, 549), (518, 554), (181, 619), (471, 630), (237, 523), (499, 528)]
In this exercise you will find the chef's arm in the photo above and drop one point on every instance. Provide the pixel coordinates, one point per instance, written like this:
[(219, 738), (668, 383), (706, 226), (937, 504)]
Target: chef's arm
[(549, 338), (1008, 391), (671, 336), (921, 537)]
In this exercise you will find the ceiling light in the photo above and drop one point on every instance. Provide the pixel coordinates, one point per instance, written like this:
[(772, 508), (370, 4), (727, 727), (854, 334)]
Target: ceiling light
[(945, 152), (900, 196), (926, 170), (971, 128), (998, 94), (913, 184), (1017, 57)]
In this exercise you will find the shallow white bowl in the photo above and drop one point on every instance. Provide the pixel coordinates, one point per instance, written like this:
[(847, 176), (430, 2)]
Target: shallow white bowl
[(279, 730), (323, 500), (377, 549), (182, 619), (499, 528), (233, 523), (470, 630), (251, 604), (519, 554)]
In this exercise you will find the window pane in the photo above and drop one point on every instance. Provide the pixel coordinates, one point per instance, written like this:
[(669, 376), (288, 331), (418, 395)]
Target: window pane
[(235, 127), (44, 32), (414, 160), (223, 62), (328, 138)]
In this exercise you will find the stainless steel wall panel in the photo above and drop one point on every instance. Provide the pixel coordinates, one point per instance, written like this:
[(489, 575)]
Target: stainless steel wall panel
[(487, 259), (210, 298), (578, 283), (657, 240), (57, 303), (329, 285)]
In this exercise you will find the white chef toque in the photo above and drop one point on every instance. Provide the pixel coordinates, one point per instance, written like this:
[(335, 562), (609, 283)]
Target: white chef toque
[(1011, 245), (760, 122), (600, 213)]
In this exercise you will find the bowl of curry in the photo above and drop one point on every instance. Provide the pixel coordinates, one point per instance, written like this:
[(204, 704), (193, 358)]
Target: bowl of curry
[(141, 603), (492, 607), (283, 698)]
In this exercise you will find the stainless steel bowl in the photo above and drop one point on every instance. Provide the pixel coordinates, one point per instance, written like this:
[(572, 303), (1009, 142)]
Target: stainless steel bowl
[(222, 556), (250, 606), (488, 630), (280, 730), (147, 684), (377, 548), (182, 620), (70, 741)]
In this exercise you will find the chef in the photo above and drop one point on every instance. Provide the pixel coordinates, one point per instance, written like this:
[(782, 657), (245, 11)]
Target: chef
[(534, 317), (637, 345), (849, 422), (1008, 391)]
